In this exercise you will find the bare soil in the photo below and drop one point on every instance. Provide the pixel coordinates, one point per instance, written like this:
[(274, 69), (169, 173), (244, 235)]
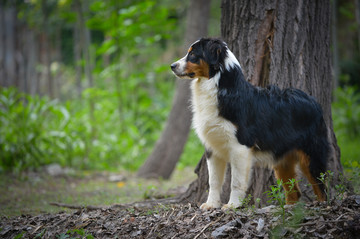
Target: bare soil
[(338, 219)]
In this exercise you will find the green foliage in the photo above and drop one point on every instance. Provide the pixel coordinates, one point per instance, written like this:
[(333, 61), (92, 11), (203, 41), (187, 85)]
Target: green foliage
[(115, 123), (276, 195), (20, 235), (326, 178), (297, 215), (346, 112), (346, 118), (246, 207), (75, 234), (31, 130), (37, 131)]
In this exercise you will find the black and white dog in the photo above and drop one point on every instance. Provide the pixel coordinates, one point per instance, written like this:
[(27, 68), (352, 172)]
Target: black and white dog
[(242, 124)]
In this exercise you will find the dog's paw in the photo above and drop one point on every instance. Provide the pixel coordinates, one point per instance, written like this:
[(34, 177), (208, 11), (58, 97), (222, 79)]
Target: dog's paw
[(208, 206), (229, 206)]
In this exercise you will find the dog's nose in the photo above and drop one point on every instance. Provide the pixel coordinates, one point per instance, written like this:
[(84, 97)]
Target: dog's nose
[(173, 66)]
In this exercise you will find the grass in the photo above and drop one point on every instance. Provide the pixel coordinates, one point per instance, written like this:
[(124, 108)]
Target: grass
[(32, 193)]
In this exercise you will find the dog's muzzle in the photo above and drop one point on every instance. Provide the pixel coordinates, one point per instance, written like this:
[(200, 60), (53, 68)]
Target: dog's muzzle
[(174, 66)]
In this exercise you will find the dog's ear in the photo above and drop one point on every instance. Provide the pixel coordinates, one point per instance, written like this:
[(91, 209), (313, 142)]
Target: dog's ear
[(213, 54)]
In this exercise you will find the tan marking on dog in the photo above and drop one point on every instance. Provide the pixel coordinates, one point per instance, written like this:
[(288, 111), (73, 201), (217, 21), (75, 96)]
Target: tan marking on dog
[(200, 70), (304, 166), (285, 170)]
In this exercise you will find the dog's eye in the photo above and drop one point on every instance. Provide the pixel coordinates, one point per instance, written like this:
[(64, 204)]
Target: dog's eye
[(192, 54)]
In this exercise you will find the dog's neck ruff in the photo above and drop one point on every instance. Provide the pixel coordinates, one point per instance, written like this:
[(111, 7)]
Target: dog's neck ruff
[(230, 64), (230, 61)]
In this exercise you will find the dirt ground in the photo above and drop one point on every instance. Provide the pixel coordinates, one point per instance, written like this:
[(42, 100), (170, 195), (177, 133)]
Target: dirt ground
[(33, 192), (339, 219), (45, 205)]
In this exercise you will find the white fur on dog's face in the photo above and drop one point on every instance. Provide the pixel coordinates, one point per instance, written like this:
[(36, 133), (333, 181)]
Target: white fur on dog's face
[(180, 69)]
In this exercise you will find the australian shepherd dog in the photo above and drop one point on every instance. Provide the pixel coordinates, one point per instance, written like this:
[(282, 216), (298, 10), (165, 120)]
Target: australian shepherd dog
[(241, 124)]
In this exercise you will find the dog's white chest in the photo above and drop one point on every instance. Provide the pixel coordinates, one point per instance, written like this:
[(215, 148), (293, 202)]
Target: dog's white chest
[(215, 132)]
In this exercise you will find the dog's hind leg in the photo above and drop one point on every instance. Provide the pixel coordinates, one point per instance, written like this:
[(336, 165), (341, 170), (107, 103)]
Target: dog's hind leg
[(285, 170), (317, 185), (216, 167)]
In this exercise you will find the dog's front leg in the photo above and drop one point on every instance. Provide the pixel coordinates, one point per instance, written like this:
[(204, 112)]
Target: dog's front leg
[(241, 172), (216, 167)]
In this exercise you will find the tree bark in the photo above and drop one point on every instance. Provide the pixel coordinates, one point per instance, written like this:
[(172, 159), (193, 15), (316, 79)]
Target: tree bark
[(77, 48), (285, 43), (9, 50), (335, 52), (169, 147), (2, 44), (357, 16), (31, 50)]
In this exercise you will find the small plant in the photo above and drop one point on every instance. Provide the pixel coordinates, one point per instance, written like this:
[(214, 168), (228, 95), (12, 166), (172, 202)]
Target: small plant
[(276, 195), (245, 204), (20, 235), (131, 210), (296, 217), (76, 233), (326, 179), (341, 189)]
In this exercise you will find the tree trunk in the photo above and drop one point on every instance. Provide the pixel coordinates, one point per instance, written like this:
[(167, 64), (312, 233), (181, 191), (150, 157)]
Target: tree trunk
[(357, 15), (77, 48), (336, 66), (2, 44), (169, 147), (31, 50), (86, 45), (9, 33), (47, 63), (285, 43)]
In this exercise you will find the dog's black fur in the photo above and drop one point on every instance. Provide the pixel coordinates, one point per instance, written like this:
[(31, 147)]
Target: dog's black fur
[(269, 119)]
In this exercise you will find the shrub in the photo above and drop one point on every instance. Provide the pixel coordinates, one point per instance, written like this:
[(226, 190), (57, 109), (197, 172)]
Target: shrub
[(31, 132)]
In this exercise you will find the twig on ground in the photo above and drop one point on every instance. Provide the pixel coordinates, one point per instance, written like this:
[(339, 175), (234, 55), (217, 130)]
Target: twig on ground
[(208, 225), (77, 206)]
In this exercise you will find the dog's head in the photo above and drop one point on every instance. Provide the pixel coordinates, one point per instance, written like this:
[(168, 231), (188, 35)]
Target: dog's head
[(204, 59)]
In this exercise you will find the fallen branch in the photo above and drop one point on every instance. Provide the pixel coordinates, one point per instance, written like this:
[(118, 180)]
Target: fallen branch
[(77, 206), (143, 204)]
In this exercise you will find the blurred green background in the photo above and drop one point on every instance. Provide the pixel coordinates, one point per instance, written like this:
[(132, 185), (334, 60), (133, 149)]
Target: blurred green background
[(101, 104)]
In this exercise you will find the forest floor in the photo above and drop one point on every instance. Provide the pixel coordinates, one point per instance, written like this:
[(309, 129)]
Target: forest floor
[(32, 206)]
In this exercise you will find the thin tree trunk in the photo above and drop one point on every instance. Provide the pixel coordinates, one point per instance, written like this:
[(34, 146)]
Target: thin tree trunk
[(86, 44), (285, 43), (77, 48), (357, 14), (335, 57), (2, 45), (47, 48), (57, 58), (169, 147), (9, 31), (21, 56), (47, 62), (33, 60), (30, 71)]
